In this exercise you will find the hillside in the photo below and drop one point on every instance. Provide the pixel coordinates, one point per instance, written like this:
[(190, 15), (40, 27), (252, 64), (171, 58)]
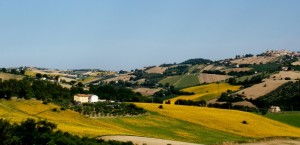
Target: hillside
[(206, 92), (226, 120), (152, 125), (7, 76), (181, 81), (286, 96), (270, 84)]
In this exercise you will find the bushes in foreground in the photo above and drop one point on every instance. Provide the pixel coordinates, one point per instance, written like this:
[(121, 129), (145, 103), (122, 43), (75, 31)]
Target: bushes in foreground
[(41, 132)]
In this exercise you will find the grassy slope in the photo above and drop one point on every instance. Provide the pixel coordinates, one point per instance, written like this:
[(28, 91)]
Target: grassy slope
[(206, 92), (152, 125), (7, 76), (187, 81), (171, 80), (181, 81), (291, 118)]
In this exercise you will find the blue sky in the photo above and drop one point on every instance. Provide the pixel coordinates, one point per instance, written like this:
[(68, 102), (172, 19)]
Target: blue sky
[(129, 34)]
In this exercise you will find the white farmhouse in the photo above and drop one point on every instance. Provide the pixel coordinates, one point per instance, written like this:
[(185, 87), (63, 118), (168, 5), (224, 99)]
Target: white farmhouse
[(86, 98), (274, 109)]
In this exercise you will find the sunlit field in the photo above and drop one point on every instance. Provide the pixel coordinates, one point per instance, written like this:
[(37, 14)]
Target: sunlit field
[(206, 92)]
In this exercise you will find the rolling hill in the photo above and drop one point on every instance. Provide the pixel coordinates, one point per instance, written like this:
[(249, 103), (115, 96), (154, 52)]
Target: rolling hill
[(206, 92), (151, 125), (173, 122)]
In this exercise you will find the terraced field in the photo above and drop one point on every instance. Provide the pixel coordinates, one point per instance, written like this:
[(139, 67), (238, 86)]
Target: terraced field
[(206, 92)]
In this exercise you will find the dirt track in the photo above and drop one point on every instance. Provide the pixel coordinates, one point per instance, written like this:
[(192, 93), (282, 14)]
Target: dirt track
[(144, 140), (276, 142), (153, 141)]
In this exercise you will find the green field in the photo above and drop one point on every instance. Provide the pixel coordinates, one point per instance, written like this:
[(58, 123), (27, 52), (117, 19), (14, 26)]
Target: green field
[(266, 67), (291, 118), (192, 68), (182, 81)]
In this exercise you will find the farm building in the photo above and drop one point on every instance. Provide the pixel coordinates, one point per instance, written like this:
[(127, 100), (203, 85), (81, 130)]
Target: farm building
[(85, 98), (274, 109)]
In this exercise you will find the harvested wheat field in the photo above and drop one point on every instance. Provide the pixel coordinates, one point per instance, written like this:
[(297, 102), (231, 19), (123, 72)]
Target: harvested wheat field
[(284, 74), (146, 91), (261, 89), (209, 67), (7, 76), (254, 60), (157, 69), (121, 77), (270, 84), (211, 78)]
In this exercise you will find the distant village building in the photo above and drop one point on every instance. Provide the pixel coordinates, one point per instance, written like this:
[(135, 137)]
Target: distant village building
[(86, 98), (274, 109)]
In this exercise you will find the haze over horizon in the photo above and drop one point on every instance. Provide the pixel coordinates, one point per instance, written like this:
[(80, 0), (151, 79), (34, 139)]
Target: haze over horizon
[(124, 35)]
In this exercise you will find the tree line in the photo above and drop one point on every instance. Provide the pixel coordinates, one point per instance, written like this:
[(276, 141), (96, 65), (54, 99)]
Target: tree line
[(30, 132)]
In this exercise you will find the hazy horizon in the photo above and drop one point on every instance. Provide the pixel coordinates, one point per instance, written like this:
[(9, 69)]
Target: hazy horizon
[(124, 35)]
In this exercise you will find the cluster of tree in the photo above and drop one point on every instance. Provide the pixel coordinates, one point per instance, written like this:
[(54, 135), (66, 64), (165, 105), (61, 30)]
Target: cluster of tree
[(170, 91), (287, 97), (41, 132), (189, 102), (167, 64), (247, 82), (121, 94), (218, 72), (197, 61), (16, 71), (269, 67), (241, 73), (42, 90), (229, 105), (178, 70), (225, 97), (109, 109), (151, 79)]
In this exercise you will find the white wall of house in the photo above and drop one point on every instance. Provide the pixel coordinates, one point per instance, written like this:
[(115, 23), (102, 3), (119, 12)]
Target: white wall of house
[(93, 98)]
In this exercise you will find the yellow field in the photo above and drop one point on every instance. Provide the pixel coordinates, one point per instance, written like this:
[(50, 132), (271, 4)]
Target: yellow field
[(30, 73), (150, 125), (182, 123), (226, 120), (70, 121), (206, 92), (7, 76)]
